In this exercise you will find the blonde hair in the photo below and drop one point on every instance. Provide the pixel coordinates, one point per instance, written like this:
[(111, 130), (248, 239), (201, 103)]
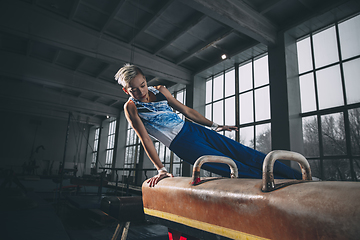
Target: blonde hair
[(127, 73)]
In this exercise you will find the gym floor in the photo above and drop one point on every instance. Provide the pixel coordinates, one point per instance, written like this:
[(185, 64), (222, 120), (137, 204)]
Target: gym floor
[(39, 214)]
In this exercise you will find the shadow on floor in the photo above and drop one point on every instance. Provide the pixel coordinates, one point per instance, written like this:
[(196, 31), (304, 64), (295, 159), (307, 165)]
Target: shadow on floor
[(82, 224), (29, 216)]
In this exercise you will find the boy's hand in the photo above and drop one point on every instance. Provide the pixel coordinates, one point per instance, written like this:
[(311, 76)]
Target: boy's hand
[(155, 179), (226, 128)]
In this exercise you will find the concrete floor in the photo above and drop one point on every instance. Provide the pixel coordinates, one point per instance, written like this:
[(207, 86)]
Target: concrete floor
[(82, 224), (39, 214)]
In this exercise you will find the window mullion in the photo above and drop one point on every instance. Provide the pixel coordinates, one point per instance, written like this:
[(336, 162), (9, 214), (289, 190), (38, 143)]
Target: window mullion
[(237, 105), (253, 99), (223, 100), (346, 113), (314, 72), (212, 98)]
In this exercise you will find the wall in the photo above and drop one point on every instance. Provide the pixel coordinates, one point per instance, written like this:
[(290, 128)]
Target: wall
[(286, 131), (121, 141), (23, 134), (199, 94)]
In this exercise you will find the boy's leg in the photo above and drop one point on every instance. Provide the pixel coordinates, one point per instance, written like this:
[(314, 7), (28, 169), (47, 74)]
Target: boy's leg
[(197, 141), (249, 156)]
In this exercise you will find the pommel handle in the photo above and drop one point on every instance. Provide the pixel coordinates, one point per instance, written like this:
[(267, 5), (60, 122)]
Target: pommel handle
[(268, 183), (217, 159)]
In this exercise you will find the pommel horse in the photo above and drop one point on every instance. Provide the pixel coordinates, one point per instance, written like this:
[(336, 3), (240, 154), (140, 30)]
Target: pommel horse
[(235, 208)]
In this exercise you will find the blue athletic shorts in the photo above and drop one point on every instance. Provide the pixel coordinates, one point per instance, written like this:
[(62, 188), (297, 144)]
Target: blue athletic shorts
[(194, 141)]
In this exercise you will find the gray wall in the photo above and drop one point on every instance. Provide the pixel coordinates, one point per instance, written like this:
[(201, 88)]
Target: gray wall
[(22, 134)]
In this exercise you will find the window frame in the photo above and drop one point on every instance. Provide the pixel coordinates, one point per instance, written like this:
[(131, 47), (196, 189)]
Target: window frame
[(95, 150), (322, 159), (110, 146)]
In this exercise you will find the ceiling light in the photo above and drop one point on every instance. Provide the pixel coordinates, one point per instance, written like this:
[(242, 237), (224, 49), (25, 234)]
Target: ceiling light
[(223, 56)]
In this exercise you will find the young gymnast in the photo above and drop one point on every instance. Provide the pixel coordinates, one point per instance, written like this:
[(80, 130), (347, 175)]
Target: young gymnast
[(149, 112)]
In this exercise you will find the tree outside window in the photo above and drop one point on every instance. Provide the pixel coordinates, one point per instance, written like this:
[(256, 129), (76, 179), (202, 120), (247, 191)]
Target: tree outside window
[(328, 63)]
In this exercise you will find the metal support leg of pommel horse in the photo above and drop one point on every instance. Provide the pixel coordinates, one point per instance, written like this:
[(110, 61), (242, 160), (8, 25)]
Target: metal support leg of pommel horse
[(125, 210), (124, 227)]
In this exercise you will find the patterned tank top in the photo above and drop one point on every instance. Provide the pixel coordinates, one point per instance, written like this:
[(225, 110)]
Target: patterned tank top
[(160, 121)]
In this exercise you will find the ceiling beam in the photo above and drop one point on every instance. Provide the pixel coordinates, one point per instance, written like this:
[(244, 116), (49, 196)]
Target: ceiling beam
[(20, 67), (198, 17), (269, 5), (74, 9), (143, 28), (244, 46), (15, 91), (307, 5), (33, 109), (239, 16), (204, 45), (113, 14), (21, 19)]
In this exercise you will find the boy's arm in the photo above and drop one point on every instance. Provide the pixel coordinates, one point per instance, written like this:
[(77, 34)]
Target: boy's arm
[(133, 118)]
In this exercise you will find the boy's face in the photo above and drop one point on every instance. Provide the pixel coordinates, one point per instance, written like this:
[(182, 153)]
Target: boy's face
[(137, 88)]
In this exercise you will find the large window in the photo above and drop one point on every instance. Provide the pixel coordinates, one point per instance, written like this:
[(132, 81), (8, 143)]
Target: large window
[(180, 96), (95, 148), (242, 100), (176, 162), (246, 102), (220, 100), (132, 150), (110, 144), (164, 154), (254, 104), (329, 70)]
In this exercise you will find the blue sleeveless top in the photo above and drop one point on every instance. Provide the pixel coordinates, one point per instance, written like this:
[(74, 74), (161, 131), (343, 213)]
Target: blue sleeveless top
[(160, 121)]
